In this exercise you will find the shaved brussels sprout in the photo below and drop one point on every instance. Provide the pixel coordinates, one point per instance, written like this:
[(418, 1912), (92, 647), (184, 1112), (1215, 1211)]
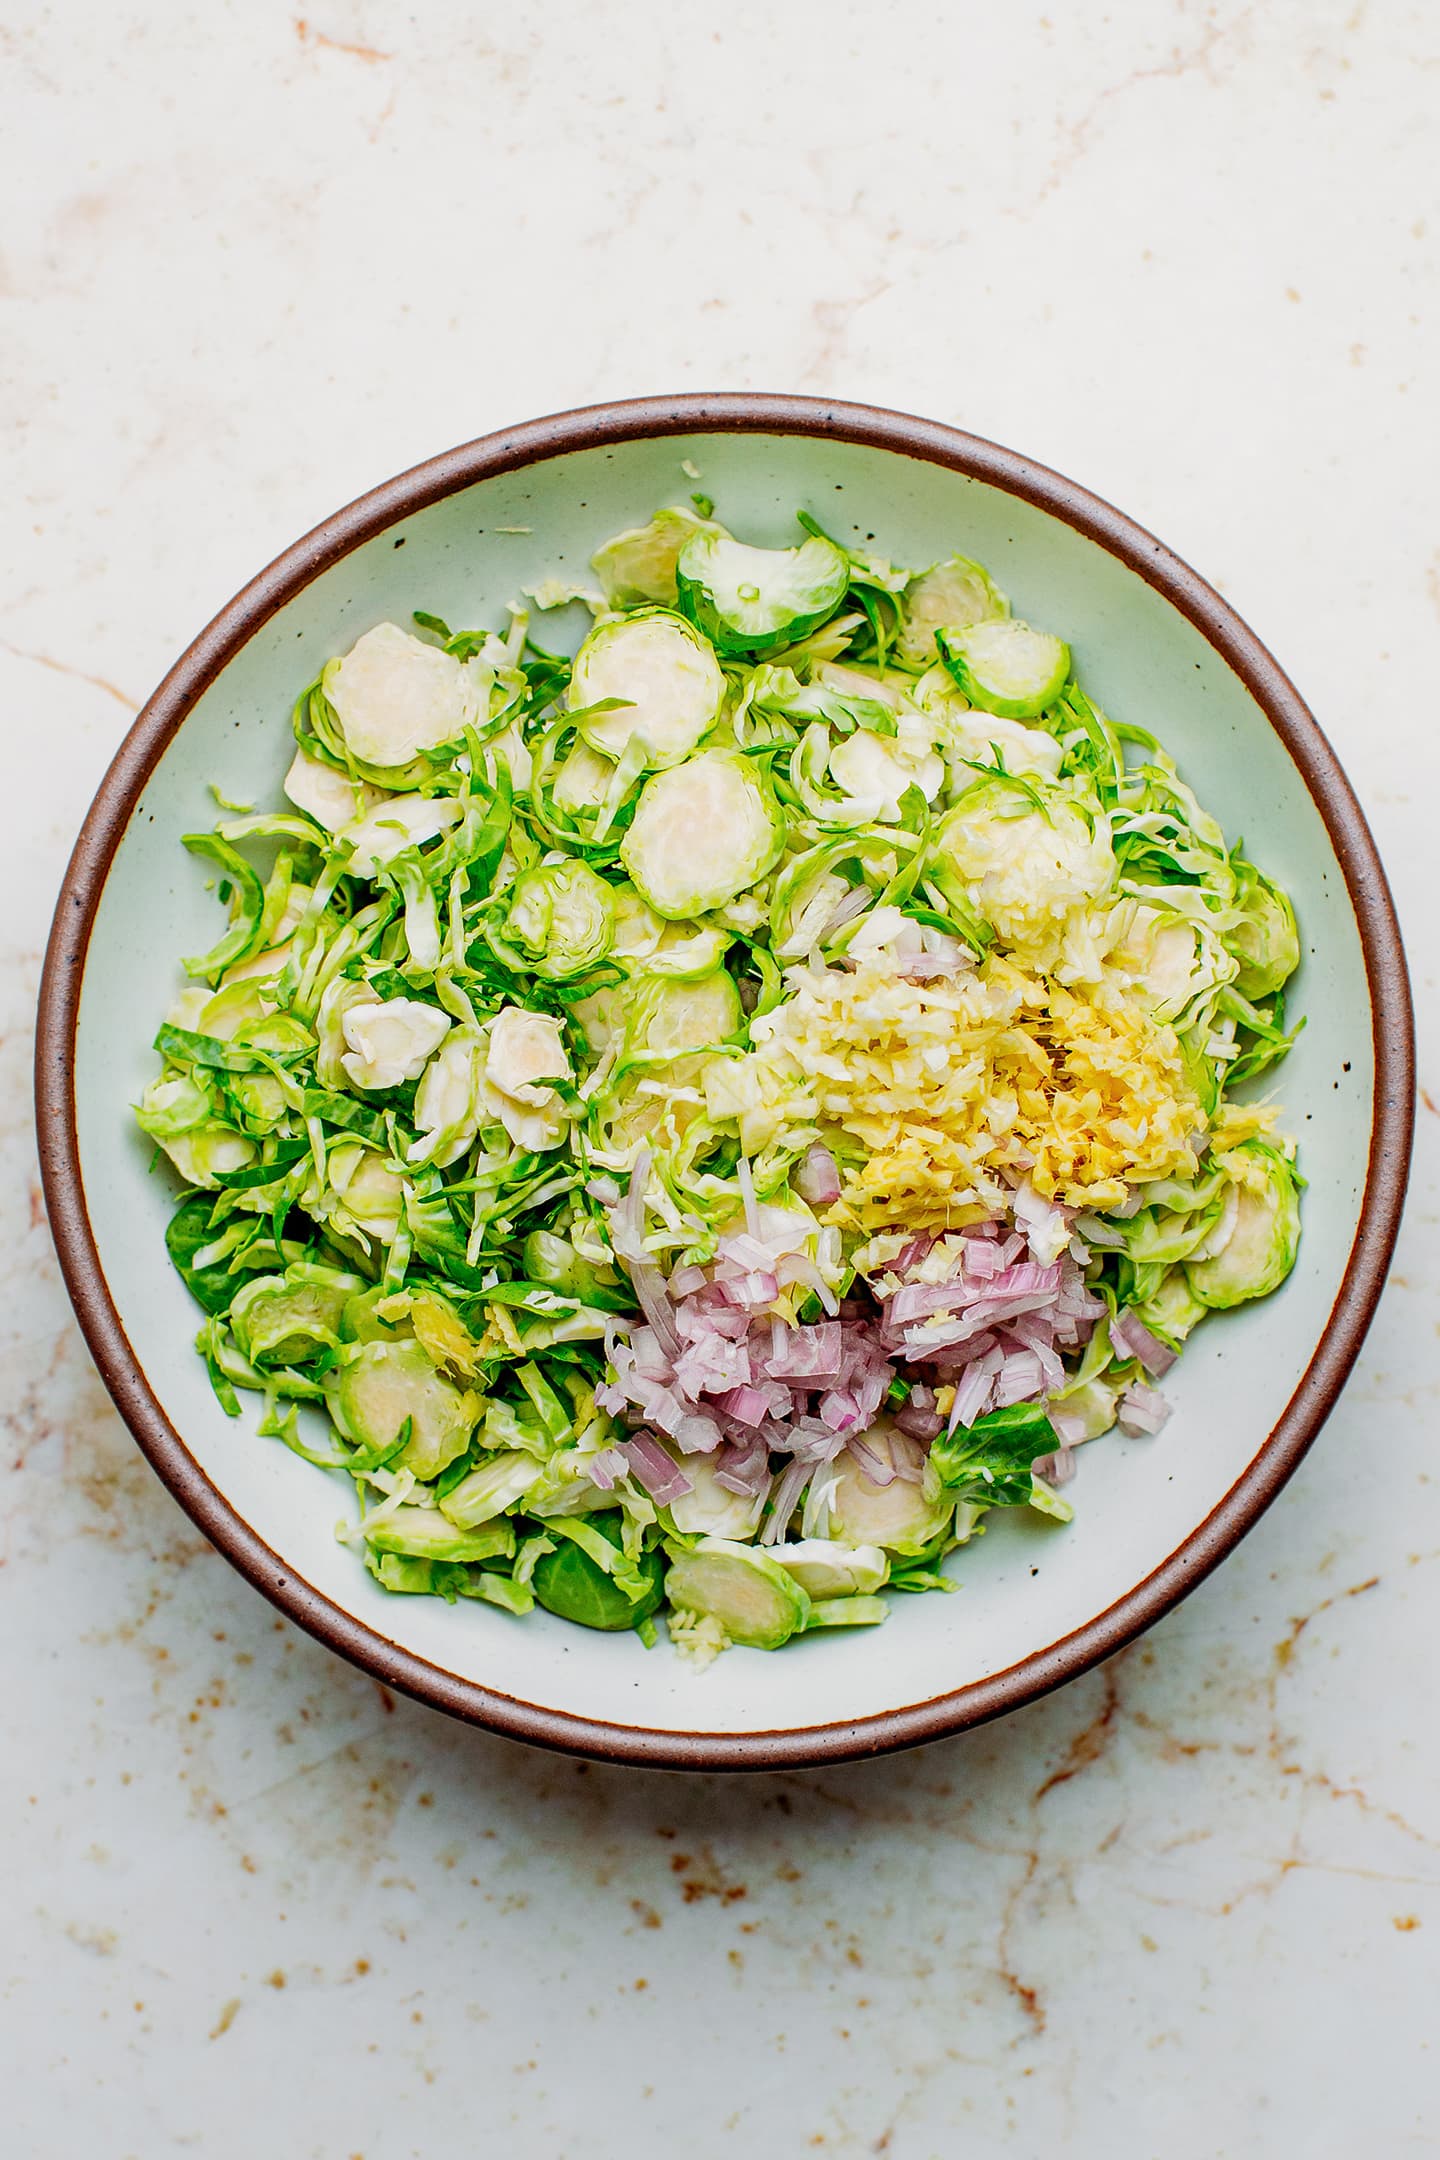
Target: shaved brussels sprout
[(741, 1587), (1172, 1308), (390, 1043), (1006, 667), (904, 1517), (710, 1509), (396, 823), (753, 601), (1177, 959), (328, 795), (208, 1154), (702, 833), (1264, 1234), (447, 1101), (583, 779), (954, 595), (669, 1014), (1089, 1409), (668, 681), (426, 1534), (491, 1488), (638, 567), (1265, 941), (393, 698), (285, 1319), (572, 1583), (382, 1386), (825, 1569), (363, 1320), (646, 943), (526, 1051), (191, 1241), (846, 1612), (559, 920), (1023, 868)]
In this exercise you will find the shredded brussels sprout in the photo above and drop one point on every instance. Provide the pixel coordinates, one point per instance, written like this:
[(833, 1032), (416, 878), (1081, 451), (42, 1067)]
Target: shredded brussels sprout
[(691, 1129)]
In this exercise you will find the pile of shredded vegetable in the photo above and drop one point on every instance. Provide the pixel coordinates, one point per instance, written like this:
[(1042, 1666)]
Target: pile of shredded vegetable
[(689, 1128)]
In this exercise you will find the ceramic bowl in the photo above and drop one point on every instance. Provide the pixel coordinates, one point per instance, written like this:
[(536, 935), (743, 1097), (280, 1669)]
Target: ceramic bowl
[(460, 536)]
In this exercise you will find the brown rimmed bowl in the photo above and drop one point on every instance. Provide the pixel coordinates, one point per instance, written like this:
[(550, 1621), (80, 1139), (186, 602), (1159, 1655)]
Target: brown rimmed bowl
[(461, 535)]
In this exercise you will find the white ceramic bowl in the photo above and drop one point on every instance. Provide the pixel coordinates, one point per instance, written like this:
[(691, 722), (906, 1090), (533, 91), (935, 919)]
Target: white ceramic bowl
[(460, 536)]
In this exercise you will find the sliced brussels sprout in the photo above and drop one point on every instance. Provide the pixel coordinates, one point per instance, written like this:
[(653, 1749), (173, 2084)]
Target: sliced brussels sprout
[(954, 595), (328, 795), (338, 997), (753, 601), (1020, 868), (1174, 959), (527, 1049), (190, 1232), (1265, 941), (582, 780), (638, 567), (1172, 1309), (647, 944), (425, 1534), (671, 1014), (877, 771), (710, 1509), (1264, 1234), (285, 1319), (571, 1583), (410, 1576), (902, 1517), (1006, 667), (741, 1587), (440, 1330), (376, 1315), (524, 1052), (602, 1016), (560, 919), (381, 1385), (1088, 1408), (392, 1042), (702, 833), (447, 1101), (491, 1488), (361, 1194), (208, 1153), (846, 1612), (395, 697), (825, 1569), (669, 1023), (238, 1005), (397, 823), (1046, 1501), (666, 674)]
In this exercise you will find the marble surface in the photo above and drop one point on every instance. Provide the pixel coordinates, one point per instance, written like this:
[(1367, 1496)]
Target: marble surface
[(255, 261)]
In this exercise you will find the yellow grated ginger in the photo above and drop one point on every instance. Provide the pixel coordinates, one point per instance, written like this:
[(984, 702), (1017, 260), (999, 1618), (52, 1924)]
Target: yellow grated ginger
[(947, 1084)]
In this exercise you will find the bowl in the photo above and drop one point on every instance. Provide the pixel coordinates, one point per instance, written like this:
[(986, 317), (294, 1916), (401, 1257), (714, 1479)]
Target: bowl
[(462, 534)]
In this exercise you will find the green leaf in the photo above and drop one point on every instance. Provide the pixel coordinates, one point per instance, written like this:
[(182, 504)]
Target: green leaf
[(183, 1047), (991, 1459), (188, 1232), (243, 936)]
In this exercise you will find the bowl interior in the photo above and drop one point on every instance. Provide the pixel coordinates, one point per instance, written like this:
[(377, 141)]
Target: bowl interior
[(1024, 1587)]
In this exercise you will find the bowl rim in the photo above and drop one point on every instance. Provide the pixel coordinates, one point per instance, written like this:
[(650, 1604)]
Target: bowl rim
[(535, 442)]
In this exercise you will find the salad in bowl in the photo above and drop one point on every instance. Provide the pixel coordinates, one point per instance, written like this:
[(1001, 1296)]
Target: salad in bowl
[(686, 1131)]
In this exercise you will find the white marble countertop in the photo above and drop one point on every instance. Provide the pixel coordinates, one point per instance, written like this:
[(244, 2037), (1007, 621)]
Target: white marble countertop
[(256, 262)]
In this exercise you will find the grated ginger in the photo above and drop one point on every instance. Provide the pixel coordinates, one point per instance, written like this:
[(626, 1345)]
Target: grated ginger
[(947, 1085)]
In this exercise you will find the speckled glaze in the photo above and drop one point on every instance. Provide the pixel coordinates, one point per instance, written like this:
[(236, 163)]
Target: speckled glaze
[(460, 535)]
